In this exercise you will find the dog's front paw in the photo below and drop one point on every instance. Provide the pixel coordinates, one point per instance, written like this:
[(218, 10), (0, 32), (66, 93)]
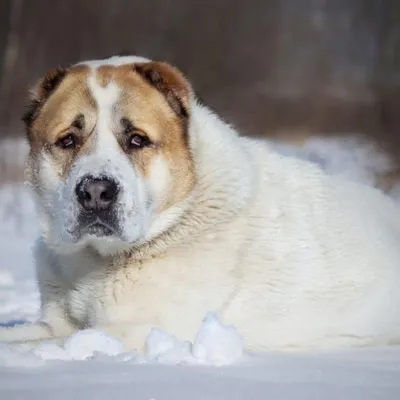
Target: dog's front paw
[(25, 332), (7, 334)]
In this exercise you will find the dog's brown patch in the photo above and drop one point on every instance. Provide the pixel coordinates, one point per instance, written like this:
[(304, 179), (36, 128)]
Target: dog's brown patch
[(69, 109), (148, 106), (104, 75), (41, 93), (168, 81)]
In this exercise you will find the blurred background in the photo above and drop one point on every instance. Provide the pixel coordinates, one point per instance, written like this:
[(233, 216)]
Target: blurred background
[(268, 66)]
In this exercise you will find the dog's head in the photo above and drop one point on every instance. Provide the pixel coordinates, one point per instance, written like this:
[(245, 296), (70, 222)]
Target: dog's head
[(110, 159)]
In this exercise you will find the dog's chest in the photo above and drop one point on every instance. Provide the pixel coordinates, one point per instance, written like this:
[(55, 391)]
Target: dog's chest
[(102, 298), (154, 292)]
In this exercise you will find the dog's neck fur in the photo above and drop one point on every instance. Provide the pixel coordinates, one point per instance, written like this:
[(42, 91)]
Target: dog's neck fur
[(217, 197)]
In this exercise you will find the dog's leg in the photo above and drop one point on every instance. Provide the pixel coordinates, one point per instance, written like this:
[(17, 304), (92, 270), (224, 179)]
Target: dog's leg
[(28, 336), (39, 330), (53, 324)]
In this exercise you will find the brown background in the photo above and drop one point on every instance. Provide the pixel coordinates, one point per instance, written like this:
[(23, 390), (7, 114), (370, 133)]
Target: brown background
[(319, 65)]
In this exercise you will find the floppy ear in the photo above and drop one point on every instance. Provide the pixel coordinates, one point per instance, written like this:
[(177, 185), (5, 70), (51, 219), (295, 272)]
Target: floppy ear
[(41, 92), (170, 82)]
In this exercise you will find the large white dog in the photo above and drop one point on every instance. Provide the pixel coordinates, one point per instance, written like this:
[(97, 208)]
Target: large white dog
[(154, 212)]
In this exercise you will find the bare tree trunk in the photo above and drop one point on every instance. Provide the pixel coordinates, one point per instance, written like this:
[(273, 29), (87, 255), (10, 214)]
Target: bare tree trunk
[(4, 29), (10, 54)]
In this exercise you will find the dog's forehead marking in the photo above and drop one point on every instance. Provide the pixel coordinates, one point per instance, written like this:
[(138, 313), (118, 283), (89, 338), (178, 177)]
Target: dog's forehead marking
[(105, 97), (114, 61)]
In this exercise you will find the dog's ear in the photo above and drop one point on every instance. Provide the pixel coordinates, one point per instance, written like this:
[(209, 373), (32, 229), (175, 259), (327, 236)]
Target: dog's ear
[(170, 82), (41, 92)]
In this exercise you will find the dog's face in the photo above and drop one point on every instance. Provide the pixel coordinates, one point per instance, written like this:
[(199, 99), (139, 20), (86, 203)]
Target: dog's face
[(110, 153)]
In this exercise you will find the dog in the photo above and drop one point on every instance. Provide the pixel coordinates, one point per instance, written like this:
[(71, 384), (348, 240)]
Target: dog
[(154, 211)]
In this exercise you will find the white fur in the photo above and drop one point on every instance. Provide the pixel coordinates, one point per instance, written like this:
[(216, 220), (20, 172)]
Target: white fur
[(159, 178), (115, 60), (293, 257)]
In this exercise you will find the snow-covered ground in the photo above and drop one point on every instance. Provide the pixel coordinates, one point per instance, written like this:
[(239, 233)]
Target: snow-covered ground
[(212, 367)]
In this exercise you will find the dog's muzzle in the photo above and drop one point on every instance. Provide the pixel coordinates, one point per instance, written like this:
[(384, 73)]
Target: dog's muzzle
[(97, 197)]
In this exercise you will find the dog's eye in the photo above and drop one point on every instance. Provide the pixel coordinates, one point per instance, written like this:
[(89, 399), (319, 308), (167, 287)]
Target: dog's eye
[(67, 142), (138, 141)]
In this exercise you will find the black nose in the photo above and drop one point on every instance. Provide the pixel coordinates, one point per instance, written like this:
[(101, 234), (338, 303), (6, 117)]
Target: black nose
[(96, 194)]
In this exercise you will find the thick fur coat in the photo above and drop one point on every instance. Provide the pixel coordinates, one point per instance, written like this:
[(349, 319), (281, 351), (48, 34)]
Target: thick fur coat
[(293, 257)]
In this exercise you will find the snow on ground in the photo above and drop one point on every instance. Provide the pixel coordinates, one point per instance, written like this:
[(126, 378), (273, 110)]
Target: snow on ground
[(213, 366), (351, 156), (19, 298), (214, 345)]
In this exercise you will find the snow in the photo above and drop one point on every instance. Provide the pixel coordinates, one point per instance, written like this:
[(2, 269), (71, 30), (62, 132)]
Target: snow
[(167, 349), (217, 344), (349, 155), (82, 345), (214, 345), (91, 364)]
